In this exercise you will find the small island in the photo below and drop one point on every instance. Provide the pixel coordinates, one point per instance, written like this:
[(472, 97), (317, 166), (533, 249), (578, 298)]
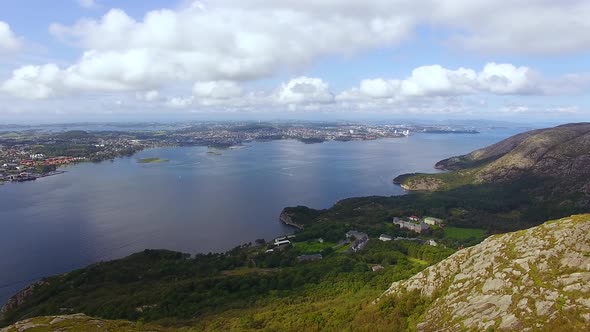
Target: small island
[(151, 160)]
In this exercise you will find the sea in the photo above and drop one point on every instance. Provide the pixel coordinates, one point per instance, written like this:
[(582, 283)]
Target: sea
[(197, 201)]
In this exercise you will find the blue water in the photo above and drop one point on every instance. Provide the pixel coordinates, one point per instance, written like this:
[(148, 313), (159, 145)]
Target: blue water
[(196, 202)]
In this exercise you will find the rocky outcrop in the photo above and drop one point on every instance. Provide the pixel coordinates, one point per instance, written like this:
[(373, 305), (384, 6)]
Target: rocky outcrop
[(286, 218), (19, 298), (425, 183), (529, 280), (78, 322)]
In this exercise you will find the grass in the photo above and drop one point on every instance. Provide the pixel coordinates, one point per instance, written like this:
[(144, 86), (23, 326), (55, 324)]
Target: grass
[(312, 247), (458, 233), (417, 261), (151, 160)]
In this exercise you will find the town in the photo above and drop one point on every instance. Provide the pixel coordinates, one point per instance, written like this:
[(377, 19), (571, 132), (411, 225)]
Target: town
[(27, 153)]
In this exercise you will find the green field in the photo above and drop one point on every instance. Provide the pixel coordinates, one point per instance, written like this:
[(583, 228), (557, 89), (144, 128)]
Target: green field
[(457, 233), (312, 247), (151, 160)]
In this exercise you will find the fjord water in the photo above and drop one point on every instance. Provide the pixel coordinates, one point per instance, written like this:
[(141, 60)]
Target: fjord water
[(197, 201)]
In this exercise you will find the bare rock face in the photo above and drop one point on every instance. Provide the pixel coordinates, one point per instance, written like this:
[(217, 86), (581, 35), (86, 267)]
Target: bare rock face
[(19, 298), (530, 280), (423, 184)]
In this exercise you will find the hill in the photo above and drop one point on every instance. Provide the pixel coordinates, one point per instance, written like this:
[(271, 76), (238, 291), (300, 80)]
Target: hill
[(552, 162), (531, 280)]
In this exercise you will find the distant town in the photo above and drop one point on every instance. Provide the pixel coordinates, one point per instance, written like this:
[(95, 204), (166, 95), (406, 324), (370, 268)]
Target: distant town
[(27, 153)]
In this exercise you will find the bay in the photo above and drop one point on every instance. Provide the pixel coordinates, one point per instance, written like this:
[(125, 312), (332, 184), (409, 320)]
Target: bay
[(197, 202)]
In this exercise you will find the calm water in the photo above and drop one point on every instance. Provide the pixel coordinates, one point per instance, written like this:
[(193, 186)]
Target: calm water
[(196, 202)]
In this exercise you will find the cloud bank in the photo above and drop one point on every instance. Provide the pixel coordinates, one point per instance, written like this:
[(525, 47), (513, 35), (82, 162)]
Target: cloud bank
[(218, 47)]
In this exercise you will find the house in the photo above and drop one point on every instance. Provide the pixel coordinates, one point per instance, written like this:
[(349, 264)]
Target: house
[(377, 267), (309, 258), (279, 243), (433, 221), (414, 218), (384, 237)]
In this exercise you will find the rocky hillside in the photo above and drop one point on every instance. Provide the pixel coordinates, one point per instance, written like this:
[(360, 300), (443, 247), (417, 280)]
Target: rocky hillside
[(530, 280), (554, 160)]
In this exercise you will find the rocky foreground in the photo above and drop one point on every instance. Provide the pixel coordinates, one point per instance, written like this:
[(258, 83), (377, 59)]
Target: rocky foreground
[(530, 280), (79, 322)]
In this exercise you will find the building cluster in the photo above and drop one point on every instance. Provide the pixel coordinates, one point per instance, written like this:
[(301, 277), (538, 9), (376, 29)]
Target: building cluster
[(28, 157), (416, 224)]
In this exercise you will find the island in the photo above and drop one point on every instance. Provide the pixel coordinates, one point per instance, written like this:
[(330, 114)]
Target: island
[(151, 160)]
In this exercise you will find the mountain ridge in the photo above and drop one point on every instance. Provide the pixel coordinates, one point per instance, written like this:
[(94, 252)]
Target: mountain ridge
[(553, 158)]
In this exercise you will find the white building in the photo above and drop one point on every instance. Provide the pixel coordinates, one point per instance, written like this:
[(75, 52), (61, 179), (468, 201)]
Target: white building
[(279, 243), (432, 221), (384, 237)]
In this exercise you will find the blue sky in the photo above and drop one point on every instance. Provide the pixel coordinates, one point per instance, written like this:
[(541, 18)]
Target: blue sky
[(83, 60)]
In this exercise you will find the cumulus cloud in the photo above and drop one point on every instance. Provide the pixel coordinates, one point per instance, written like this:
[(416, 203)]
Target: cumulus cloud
[(432, 81), (222, 44), (34, 82), (8, 40), (304, 90)]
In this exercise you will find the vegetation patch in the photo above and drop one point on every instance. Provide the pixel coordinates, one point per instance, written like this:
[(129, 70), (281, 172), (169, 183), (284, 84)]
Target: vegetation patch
[(151, 160), (458, 233)]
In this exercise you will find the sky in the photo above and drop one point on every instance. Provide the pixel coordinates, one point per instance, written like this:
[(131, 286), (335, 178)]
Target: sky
[(106, 60)]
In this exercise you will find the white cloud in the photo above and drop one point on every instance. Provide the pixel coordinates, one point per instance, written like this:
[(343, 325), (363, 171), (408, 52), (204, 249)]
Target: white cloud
[(508, 79), (34, 82), (217, 90), (8, 40), (231, 40), (432, 81), (304, 90), (215, 44), (87, 3), (536, 26)]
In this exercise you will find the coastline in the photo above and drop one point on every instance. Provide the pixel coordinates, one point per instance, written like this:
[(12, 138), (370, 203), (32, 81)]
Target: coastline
[(286, 219)]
